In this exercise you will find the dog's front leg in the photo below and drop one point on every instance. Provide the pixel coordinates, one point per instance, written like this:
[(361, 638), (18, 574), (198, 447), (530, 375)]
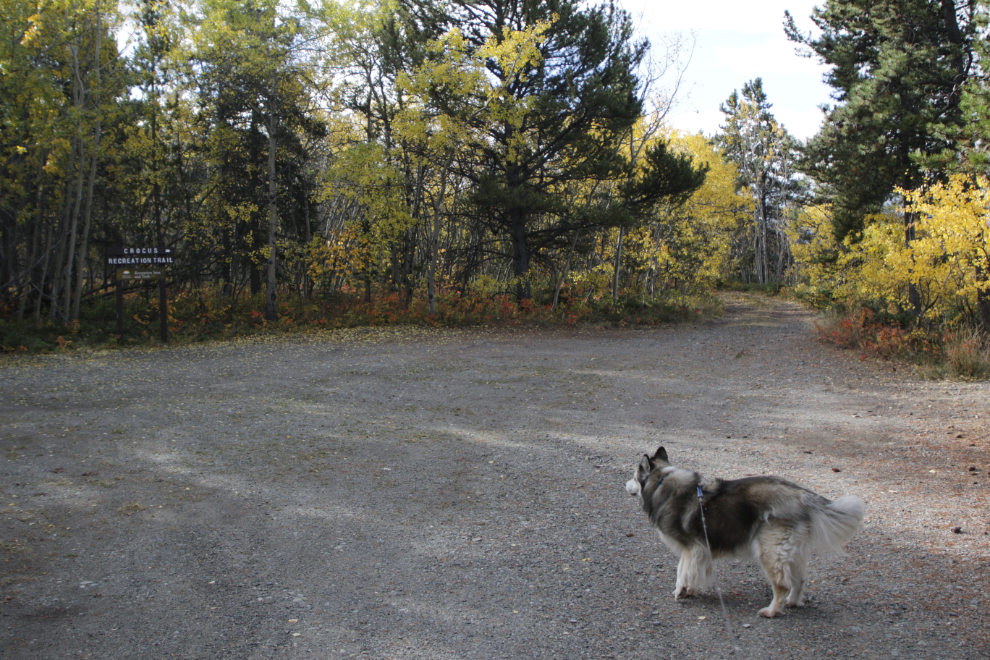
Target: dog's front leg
[(681, 588), (693, 572)]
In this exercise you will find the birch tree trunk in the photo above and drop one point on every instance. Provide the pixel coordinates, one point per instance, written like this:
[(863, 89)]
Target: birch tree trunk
[(431, 271), (94, 159), (78, 94), (70, 246), (567, 267), (617, 265), (914, 296), (272, 222), (87, 222), (272, 126)]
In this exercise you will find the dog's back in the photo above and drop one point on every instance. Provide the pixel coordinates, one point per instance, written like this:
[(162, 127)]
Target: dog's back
[(752, 502)]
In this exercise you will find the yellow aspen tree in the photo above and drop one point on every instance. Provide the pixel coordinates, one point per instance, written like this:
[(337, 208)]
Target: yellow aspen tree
[(944, 269)]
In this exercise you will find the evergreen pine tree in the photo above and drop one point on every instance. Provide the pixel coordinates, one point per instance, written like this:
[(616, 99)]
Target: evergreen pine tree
[(764, 154), (897, 67), (578, 105)]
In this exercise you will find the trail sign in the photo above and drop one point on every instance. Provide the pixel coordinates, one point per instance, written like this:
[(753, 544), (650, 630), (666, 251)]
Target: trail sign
[(141, 264), (139, 257), (140, 273)]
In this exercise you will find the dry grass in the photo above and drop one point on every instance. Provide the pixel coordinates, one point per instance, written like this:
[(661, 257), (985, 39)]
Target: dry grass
[(968, 357), (938, 353)]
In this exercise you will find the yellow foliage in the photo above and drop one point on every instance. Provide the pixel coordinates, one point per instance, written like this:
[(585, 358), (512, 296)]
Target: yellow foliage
[(343, 252), (686, 245), (712, 213), (952, 245), (867, 262), (482, 98), (813, 245), (697, 235), (948, 261), (365, 174)]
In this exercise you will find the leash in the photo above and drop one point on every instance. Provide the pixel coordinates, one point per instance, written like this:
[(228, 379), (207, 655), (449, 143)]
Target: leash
[(708, 546)]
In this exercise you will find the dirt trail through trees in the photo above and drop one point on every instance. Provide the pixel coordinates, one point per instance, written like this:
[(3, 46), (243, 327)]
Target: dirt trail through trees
[(393, 493)]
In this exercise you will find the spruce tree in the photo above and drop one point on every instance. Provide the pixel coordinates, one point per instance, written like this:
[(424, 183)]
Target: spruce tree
[(578, 105), (764, 153), (897, 68)]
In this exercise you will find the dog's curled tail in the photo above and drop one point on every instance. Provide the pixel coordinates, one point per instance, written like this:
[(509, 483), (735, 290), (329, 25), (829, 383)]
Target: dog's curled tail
[(834, 525)]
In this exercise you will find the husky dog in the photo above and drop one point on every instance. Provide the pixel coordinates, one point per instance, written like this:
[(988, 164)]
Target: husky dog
[(767, 518)]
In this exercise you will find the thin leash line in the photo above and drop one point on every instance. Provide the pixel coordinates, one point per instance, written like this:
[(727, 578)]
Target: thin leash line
[(708, 547)]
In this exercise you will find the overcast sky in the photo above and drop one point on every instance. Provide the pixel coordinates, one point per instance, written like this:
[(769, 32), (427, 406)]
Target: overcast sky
[(737, 42)]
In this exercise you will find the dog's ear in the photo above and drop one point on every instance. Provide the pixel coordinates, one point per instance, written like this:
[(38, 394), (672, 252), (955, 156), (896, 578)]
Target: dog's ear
[(645, 468), (660, 455)]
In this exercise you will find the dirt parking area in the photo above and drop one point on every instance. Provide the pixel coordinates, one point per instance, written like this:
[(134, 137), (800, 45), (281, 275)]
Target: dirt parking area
[(397, 493)]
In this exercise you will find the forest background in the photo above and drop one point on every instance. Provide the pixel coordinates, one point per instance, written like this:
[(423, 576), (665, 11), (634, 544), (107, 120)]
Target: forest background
[(329, 164)]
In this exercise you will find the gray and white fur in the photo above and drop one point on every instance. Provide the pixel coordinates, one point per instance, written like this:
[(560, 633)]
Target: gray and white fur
[(767, 518)]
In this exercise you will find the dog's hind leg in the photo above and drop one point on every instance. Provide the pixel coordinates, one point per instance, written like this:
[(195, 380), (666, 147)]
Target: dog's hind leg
[(795, 598), (694, 572), (796, 567), (768, 549)]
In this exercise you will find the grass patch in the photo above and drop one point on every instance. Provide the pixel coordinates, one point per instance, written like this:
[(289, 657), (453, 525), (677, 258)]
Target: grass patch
[(769, 289), (204, 315), (938, 352), (654, 312), (967, 356)]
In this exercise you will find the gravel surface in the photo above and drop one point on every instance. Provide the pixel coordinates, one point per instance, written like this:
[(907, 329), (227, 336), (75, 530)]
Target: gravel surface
[(398, 493)]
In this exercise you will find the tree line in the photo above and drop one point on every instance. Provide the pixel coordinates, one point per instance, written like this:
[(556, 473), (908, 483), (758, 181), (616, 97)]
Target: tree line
[(408, 146), (314, 147), (899, 165)]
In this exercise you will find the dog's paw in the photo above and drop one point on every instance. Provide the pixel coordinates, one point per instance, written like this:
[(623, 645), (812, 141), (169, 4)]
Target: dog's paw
[(792, 603), (769, 612), (683, 592)]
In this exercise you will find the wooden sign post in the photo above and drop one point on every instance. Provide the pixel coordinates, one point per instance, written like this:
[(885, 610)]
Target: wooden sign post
[(141, 264)]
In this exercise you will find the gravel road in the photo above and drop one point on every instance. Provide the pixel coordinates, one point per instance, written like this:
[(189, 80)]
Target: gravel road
[(401, 493)]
